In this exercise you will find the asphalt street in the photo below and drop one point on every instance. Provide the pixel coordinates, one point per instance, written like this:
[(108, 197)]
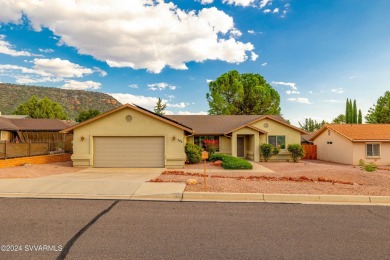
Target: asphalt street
[(109, 229)]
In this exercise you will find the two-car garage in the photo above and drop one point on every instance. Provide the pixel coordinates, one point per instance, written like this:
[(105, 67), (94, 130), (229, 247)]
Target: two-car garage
[(129, 136), (129, 152)]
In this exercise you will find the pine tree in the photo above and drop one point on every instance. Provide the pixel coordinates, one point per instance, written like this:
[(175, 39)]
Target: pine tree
[(360, 118), (160, 107), (354, 113)]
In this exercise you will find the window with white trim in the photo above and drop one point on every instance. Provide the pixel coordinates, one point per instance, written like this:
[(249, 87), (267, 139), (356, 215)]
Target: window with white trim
[(277, 141), (373, 150)]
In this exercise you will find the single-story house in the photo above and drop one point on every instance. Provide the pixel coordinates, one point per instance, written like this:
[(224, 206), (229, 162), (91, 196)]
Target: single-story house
[(348, 143), (24, 129), (131, 136)]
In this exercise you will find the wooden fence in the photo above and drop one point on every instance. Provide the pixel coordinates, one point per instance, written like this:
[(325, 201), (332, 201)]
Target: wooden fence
[(14, 150), (310, 151)]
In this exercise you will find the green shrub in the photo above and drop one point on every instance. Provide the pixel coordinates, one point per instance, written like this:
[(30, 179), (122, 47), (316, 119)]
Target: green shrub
[(296, 151), (193, 152), (368, 167), (231, 162), (268, 150)]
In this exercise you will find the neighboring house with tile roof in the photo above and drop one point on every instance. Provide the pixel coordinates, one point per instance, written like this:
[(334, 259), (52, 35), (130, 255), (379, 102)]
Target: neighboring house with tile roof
[(131, 136), (348, 143)]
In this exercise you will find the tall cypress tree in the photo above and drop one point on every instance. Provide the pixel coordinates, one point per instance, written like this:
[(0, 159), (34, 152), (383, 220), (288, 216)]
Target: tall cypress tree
[(347, 111), (360, 118), (354, 113)]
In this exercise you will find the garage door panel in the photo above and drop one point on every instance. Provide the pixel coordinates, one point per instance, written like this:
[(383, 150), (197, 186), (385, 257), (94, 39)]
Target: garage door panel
[(129, 152)]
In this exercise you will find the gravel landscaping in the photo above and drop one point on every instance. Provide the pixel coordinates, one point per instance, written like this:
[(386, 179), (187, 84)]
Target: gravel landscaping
[(306, 177), (37, 170)]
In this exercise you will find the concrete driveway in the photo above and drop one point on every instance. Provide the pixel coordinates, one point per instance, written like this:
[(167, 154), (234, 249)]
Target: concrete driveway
[(95, 183)]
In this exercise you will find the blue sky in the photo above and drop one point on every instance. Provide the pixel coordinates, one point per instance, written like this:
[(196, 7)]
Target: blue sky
[(315, 53)]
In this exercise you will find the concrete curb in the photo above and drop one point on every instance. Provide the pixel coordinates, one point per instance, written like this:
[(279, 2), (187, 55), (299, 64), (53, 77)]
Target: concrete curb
[(286, 198)]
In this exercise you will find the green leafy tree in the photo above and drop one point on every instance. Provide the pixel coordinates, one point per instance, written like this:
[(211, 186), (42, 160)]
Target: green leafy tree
[(193, 152), (43, 108), (311, 125), (340, 119), (380, 113), (88, 114), (233, 93), (160, 107)]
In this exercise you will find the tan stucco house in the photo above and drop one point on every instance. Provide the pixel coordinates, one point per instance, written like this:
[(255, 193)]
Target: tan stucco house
[(348, 143), (131, 136)]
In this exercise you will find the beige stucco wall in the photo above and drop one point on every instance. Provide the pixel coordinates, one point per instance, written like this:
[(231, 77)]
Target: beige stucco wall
[(340, 151), (141, 124), (274, 128), (359, 152), (225, 145)]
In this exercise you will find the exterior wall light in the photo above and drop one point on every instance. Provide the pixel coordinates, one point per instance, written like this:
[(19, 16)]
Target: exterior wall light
[(82, 138)]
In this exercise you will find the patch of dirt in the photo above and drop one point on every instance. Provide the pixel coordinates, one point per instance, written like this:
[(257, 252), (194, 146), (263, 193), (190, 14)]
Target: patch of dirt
[(306, 177), (37, 170)]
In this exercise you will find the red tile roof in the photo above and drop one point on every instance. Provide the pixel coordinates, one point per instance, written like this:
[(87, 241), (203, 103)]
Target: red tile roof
[(359, 132)]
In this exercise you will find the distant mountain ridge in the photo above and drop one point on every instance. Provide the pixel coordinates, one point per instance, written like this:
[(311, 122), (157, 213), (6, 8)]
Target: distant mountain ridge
[(73, 101)]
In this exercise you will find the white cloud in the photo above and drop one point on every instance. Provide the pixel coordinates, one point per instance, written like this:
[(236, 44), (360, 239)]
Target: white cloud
[(7, 68), (235, 33), (99, 70), (60, 68), (145, 102), (290, 84), (205, 2), (299, 100), (133, 86), (131, 34), (275, 11), (244, 3), (264, 64), (46, 50), (29, 79), (7, 48), (263, 3), (178, 105), (254, 56), (81, 85), (252, 32), (192, 113), (337, 90), (290, 92), (209, 80), (170, 96), (161, 86), (333, 101), (266, 11)]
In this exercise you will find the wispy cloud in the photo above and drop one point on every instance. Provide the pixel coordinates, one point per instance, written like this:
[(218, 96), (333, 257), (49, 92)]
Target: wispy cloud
[(333, 101), (133, 86), (161, 86), (299, 100), (8, 49), (264, 64), (81, 85), (289, 84), (178, 105), (337, 90), (290, 92), (46, 50), (192, 113), (254, 56)]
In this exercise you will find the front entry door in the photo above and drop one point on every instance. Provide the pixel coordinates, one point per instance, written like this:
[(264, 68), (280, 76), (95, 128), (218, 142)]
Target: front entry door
[(240, 146)]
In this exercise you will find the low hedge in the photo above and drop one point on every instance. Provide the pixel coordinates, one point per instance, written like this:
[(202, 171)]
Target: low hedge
[(231, 162)]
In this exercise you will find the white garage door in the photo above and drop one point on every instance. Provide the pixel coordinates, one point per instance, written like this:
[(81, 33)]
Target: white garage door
[(129, 152)]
